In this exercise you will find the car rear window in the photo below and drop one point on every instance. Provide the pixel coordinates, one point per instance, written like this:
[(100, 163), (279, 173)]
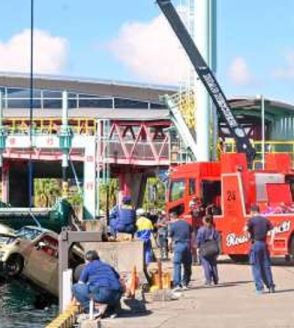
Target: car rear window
[(28, 233)]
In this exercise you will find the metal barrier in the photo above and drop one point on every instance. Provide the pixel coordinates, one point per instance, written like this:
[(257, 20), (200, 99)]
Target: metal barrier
[(81, 126), (179, 154), (275, 147)]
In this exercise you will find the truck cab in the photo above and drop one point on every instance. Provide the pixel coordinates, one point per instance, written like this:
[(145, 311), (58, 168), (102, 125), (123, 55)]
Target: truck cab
[(233, 188), (199, 179)]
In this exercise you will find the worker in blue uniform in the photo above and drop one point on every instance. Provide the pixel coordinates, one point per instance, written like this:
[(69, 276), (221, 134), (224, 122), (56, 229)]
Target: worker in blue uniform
[(258, 227), (209, 263), (123, 217), (180, 233), (100, 281)]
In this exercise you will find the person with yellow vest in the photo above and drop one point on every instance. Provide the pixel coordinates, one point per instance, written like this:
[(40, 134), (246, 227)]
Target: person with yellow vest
[(144, 233), (220, 148)]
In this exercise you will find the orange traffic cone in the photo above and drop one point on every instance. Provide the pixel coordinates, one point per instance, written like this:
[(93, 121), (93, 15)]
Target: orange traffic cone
[(134, 281)]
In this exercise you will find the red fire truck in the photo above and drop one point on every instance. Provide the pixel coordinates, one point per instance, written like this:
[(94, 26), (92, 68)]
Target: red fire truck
[(233, 188), (229, 184)]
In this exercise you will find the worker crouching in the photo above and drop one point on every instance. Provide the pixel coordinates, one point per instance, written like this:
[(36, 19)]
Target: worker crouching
[(100, 282), (123, 217)]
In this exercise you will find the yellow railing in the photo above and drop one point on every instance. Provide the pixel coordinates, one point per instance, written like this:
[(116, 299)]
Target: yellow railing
[(269, 147), (186, 103), (49, 126)]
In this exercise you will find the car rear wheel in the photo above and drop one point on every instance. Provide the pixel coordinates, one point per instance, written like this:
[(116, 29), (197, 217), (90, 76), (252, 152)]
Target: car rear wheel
[(239, 258), (14, 265)]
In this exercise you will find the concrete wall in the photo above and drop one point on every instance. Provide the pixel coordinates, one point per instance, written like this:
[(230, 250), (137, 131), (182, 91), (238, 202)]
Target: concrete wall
[(123, 256)]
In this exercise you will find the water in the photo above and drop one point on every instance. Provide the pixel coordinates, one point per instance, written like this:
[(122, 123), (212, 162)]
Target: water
[(21, 306)]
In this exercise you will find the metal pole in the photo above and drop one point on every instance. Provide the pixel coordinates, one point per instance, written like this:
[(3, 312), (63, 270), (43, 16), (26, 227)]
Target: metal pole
[(31, 106), (65, 152), (31, 70), (262, 131), (64, 108), (213, 65), (99, 157), (1, 126), (205, 37), (1, 109)]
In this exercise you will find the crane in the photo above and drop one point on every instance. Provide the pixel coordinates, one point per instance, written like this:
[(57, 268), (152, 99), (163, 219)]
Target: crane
[(208, 79)]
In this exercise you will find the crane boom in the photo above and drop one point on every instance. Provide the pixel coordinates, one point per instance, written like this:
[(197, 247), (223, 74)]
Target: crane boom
[(208, 79)]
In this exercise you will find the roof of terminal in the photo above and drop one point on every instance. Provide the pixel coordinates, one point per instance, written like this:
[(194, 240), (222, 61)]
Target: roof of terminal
[(246, 106), (89, 86), (250, 109)]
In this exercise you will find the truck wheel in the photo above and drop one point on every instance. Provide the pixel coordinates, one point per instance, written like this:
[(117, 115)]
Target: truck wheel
[(288, 258), (14, 265), (291, 250), (239, 258)]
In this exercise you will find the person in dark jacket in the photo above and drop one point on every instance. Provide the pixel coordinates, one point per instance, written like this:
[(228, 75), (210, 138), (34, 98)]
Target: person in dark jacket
[(258, 227), (209, 264), (162, 235), (123, 217), (100, 281), (197, 209), (180, 233)]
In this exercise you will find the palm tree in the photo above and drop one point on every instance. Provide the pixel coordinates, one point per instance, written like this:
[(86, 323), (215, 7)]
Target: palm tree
[(109, 190), (46, 192)]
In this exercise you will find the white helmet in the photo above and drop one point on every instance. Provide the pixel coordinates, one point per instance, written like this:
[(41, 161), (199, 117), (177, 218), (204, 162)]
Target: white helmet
[(140, 211)]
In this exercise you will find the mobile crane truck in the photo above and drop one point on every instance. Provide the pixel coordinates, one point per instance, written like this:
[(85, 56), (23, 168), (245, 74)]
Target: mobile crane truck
[(229, 184)]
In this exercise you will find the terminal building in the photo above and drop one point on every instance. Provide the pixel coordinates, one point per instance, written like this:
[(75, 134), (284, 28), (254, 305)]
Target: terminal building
[(124, 127)]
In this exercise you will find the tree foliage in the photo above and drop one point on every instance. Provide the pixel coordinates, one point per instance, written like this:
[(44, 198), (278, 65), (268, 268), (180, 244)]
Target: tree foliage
[(46, 192), (154, 197), (112, 189)]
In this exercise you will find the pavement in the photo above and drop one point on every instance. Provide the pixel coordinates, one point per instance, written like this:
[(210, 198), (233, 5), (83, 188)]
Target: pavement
[(233, 303)]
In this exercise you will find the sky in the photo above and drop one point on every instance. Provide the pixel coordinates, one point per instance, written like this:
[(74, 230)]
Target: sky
[(130, 41)]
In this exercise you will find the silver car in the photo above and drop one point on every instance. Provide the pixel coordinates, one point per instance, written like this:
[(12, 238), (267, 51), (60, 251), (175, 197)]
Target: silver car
[(33, 253)]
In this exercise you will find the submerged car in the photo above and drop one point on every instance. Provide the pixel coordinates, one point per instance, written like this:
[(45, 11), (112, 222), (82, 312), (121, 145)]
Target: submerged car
[(33, 252)]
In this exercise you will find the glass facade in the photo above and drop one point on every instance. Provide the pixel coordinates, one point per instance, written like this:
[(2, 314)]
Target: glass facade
[(46, 99)]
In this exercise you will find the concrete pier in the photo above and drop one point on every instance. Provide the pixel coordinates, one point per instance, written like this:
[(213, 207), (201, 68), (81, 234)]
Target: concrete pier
[(233, 303)]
